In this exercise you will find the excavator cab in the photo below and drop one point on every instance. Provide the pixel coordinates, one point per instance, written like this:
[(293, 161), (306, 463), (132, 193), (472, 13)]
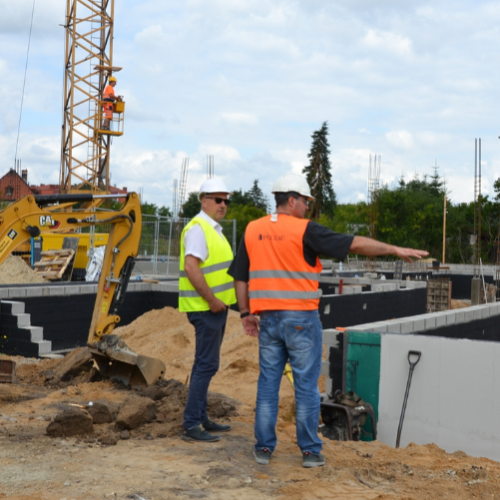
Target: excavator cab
[(30, 215)]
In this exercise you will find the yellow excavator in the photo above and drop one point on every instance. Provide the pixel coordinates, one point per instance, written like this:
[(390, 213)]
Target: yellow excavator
[(32, 215)]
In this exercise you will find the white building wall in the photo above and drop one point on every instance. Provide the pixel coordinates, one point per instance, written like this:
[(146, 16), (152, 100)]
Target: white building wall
[(454, 398)]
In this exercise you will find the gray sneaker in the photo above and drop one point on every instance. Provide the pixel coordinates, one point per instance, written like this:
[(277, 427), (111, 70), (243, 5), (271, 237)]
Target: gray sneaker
[(263, 456), (197, 433), (310, 460)]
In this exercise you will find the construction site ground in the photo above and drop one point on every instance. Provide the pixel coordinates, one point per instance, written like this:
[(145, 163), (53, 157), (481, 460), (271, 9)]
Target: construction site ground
[(151, 462)]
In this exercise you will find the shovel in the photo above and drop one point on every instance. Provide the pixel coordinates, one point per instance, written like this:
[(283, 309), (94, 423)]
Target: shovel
[(412, 366)]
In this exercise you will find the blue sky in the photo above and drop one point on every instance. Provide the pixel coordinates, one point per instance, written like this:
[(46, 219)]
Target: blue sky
[(249, 81)]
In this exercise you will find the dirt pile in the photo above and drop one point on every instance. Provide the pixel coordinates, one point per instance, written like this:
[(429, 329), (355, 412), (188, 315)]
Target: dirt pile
[(15, 271), (152, 462)]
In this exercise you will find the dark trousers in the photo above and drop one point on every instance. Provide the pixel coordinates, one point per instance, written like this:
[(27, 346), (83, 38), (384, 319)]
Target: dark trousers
[(209, 329)]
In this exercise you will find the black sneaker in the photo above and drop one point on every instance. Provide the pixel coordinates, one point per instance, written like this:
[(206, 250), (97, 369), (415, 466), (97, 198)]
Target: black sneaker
[(211, 426), (311, 460), (197, 433), (263, 456)]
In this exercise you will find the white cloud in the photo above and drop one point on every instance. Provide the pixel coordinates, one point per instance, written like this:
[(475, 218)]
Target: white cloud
[(390, 42), (240, 118), (400, 139)]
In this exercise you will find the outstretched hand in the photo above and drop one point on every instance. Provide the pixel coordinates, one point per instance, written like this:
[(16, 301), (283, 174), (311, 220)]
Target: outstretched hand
[(408, 253)]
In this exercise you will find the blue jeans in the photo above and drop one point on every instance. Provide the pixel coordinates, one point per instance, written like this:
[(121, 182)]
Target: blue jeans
[(209, 331), (294, 336)]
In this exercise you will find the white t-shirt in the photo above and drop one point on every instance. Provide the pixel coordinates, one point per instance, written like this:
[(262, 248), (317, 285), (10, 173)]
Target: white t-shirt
[(195, 243)]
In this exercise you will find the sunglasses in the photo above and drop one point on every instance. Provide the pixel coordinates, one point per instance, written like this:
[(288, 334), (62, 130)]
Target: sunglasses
[(219, 200), (305, 200)]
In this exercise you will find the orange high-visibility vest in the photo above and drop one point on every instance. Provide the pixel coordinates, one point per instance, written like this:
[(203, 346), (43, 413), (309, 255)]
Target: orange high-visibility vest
[(280, 277), (109, 92)]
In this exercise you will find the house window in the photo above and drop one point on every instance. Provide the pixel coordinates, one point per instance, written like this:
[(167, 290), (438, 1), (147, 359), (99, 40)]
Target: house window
[(9, 191)]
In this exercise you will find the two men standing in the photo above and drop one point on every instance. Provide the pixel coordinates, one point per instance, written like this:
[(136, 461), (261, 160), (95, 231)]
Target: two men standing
[(276, 276)]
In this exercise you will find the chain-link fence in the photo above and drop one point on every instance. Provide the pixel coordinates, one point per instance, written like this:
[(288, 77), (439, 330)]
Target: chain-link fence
[(160, 240)]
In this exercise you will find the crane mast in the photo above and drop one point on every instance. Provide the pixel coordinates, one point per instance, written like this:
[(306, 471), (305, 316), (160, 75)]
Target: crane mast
[(88, 63)]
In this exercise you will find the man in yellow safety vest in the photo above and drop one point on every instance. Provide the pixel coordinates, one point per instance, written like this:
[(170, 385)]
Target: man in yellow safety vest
[(205, 293)]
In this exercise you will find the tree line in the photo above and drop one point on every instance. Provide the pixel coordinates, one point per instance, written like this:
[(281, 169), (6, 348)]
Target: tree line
[(409, 214)]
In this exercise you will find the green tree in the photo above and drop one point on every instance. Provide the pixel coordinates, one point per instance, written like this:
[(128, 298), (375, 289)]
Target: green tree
[(192, 206), (319, 177), (243, 215), (257, 197)]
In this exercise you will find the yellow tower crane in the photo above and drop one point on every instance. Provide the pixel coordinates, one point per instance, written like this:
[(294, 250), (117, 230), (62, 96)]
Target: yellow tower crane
[(88, 66)]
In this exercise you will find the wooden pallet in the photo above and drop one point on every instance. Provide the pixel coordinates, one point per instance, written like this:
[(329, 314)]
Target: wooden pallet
[(53, 263)]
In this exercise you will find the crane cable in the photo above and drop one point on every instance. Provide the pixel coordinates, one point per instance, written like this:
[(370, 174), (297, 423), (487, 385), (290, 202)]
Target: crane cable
[(24, 83)]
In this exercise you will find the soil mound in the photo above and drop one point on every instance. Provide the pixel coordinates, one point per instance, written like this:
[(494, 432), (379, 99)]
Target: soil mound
[(15, 271)]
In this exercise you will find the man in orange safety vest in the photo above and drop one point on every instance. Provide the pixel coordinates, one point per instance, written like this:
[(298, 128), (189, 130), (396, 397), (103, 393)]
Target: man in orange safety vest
[(109, 98)]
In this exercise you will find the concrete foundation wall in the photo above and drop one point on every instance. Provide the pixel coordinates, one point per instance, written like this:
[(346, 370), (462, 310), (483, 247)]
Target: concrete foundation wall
[(454, 398)]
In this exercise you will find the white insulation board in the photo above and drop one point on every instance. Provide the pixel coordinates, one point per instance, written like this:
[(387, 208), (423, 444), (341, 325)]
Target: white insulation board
[(454, 398)]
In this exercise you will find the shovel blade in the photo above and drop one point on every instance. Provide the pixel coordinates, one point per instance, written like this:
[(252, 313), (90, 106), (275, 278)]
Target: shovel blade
[(135, 370)]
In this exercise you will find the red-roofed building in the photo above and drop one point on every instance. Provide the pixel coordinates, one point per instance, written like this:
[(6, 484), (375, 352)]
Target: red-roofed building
[(14, 186)]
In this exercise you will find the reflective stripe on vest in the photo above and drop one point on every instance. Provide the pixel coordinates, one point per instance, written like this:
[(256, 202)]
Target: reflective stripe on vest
[(215, 289), (210, 269), (280, 277), (214, 270)]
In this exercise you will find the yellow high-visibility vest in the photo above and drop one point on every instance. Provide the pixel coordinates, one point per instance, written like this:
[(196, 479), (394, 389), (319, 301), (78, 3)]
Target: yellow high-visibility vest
[(214, 270)]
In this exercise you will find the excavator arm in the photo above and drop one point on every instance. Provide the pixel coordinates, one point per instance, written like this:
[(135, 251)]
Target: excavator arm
[(32, 215)]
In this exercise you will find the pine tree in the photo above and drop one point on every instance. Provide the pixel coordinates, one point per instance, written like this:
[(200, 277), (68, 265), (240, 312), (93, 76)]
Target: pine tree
[(257, 196), (319, 176)]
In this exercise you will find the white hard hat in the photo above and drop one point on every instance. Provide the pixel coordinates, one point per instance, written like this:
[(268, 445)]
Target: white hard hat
[(293, 182), (213, 185)]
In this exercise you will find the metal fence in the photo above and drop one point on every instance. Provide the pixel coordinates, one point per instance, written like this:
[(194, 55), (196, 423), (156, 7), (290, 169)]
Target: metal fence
[(160, 239)]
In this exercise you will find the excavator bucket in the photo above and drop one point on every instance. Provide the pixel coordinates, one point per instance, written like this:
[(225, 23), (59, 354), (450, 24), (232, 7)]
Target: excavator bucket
[(117, 361)]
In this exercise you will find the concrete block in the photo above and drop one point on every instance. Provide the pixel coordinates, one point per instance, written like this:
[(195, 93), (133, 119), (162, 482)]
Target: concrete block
[(35, 333), (477, 313), (485, 312), (325, 368), (12, 307), (407, 327), (88, 289), (15, 293), (459, 316), (419, 325), (4, 293), (56, 290), (469, 315), (34, 291), (440, 319), (44, 346), (330, 336), (451, 318), (23, 319), (393, 327)]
